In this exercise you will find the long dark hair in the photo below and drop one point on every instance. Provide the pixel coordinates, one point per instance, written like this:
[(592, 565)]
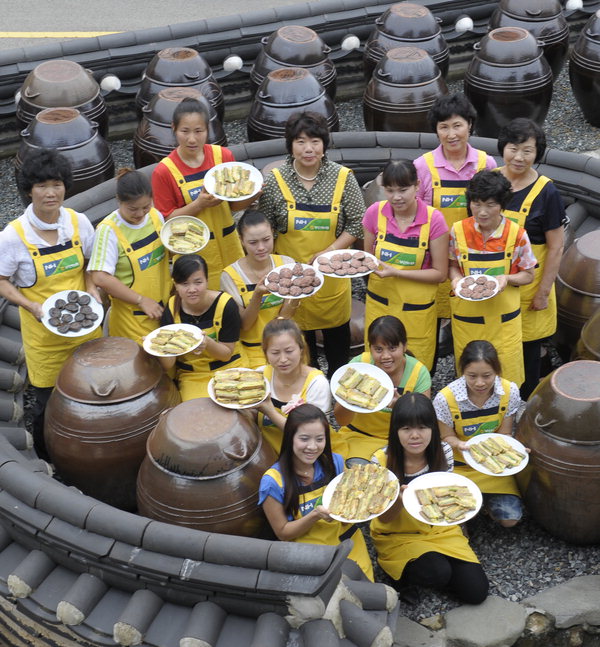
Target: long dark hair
[(297, 417), (412, 410), (480, 350)]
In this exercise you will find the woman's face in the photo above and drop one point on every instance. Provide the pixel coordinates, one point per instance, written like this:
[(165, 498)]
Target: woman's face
[(283, 353), (479, 377), (192, 290), (258, 241), (402, 198), (309, 443), (47, 198), (387, 357), (453, 134), (191, 133), (414, 439), (307, 150), (134, 211), (487, 213), (519, 158)]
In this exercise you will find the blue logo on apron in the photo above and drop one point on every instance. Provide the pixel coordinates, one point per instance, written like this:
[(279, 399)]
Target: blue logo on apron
[(195, 192)]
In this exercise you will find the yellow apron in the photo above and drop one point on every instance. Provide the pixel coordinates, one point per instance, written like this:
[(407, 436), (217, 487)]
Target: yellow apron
[(412, 302), (537, 324), (448, 196), (270, 431), (369, 432), (498, 320), (471, 423), (57, 268), (193, 372), (224, 246), (150, 268), (328, 533), (311, 229), (269, 309)]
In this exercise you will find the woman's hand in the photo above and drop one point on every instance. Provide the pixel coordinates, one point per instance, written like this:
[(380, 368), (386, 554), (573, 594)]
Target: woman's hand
[(539, 301), (385, 269), (321, 512), (288, 308), (502, 282), (205, 200), (36, 310), (261, 288), (151, 308), (461, 444), (202, 347)]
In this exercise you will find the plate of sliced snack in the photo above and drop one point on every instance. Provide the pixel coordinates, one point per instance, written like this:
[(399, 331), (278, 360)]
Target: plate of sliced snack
[(72, 313), (184, 235), (238, 388), (496, 454), (477, 287), (442, 498), (361, 493), (233, 181), (173, 340), (294, 280), (362, 387), (345, 263)]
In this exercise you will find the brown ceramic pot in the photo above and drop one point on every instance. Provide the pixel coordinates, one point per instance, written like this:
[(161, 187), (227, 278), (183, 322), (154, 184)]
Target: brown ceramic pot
[(406, 24), (588, 346), (508, 77), (108, 397), (179, 67), (202, 469), (60, 83), (154, 137), (584, 70), (295, 46), (561, 426), (404, 86)]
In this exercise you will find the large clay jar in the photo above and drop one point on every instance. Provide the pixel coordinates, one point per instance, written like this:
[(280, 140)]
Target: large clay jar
[(77, 138), (179, 67), (404, 86), (507, 78), (294, 46), (584, 69), (588, 346), (284, 92), (60, 83), (578, 287), (406, 24), (154, 137), (542, 18), (108, 398), (202, 469), (561, 426)]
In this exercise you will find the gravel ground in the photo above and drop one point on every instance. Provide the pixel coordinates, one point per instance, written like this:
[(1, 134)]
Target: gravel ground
[(521, 561)]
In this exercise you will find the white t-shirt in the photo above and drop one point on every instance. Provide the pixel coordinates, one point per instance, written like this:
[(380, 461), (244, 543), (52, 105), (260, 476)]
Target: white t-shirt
[(317, 393)]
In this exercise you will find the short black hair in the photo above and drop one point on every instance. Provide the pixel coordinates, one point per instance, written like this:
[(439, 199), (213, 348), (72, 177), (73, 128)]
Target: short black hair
[(190, 105), (519, 130), (44, 164), (187, 265), (310, 123), (399, 173), (489, 185), (132, 185), (451, 104)]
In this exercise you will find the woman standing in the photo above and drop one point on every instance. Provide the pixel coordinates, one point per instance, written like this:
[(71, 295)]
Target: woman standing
[(129, 261), (316, 206), (43, 252), (290, 491), (410, 240), (537, 206)]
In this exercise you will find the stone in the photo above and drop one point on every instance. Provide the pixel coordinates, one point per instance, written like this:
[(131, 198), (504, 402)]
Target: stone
[(538, 624), (494, 623), (412, 634), (435, 623)]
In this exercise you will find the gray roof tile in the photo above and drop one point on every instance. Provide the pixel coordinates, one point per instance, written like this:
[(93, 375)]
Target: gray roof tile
[(50, 591), (205, 623), (237, 551), (76, 539), (319, 632), (104, 615), (173, 540), (271, 629), (167, 626), (123, 526)]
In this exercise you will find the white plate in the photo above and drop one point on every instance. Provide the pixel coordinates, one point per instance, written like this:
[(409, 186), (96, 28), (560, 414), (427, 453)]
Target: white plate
[(341, 251), (301, 296), (438, 479), (459, 286), (255, 176), (372, 371), (49, 303), (333, 484), (211, 393), (509, 471), (165, 232), (180, 326)]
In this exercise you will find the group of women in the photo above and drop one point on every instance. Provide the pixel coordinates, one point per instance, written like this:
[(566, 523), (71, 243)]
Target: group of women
[(424, 240)]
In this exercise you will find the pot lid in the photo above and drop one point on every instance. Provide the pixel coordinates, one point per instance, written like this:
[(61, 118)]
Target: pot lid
[(175, 65), (508, 46), (108, 369), (408, 20), (290, 86), (406, 66), (296, 45), (532, 10), (59, 128)]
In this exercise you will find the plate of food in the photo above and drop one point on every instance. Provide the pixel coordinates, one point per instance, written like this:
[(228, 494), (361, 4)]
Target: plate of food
[(238, 388), (496, 454), (233, 181), (184, 235), (361, 493), (345, 263), (173, 340), (294, 281), (362, 387), (442, 498), (477, 288), (72, 313)]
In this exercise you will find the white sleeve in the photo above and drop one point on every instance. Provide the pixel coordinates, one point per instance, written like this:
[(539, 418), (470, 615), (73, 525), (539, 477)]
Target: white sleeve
[(9, 243), (514, 401), (105, 251), (86, 232), (227, 285), (319, 393), (442, 410)]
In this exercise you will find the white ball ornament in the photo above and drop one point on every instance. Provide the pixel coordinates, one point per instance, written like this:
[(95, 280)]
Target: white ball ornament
[(110, 83), (463, 24), (350, 42), (233, 63)]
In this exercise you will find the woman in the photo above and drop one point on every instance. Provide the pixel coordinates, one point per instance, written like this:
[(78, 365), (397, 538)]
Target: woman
[(537, 206), (290, 378), (244, 280), (489, 243), (178, 185), (291, 490), (362, 434), (415, 553), (316, 206), (43, 252), (480, 401), (215, 313), (444, 172), (129, 261), (410, 240)]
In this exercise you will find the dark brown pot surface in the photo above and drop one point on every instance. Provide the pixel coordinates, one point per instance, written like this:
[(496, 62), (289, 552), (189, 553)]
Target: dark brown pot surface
[(584, 70)]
